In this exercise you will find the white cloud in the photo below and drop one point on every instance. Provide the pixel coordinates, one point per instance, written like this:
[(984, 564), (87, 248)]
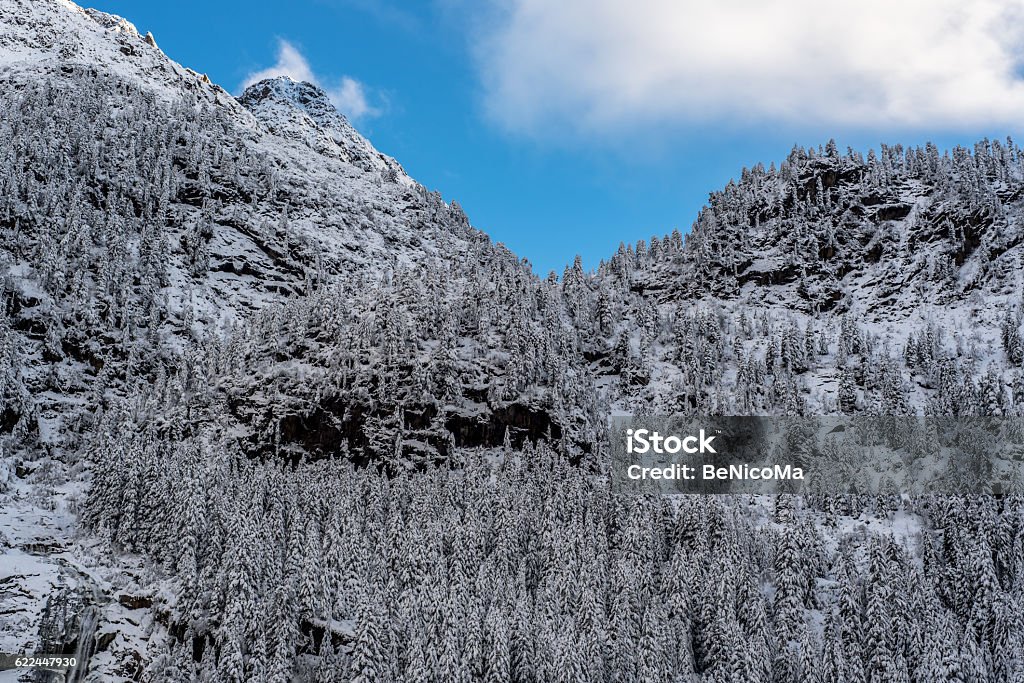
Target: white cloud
[(290, 63), (599, 64), (347, 94), (350, 98)]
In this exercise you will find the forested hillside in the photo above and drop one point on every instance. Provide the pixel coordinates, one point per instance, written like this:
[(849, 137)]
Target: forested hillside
[(270, 410)]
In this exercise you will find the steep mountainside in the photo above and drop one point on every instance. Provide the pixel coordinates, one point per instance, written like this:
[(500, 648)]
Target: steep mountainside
[(150, 210), (270, 410), (890, 284), (239, 173), (149, 218), (882, 237)]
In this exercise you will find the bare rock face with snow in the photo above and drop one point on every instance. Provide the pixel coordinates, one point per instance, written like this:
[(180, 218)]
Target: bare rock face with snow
[(269, 407), (302, 111), (833, 233), (917, 254)]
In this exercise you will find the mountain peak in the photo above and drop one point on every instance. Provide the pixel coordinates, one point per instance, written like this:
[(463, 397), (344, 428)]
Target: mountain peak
[(303, 95), (303, 111)]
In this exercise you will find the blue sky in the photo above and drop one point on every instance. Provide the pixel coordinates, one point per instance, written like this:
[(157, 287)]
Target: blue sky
[(569, 127)]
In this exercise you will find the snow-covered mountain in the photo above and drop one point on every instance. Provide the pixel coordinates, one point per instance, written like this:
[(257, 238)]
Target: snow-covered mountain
[(883, 237), (909, 258), (281, 216), (302, 111), (148, 213), (214, 307)]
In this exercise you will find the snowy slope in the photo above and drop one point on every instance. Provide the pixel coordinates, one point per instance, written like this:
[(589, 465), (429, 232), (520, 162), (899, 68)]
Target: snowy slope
[(302, 111), (51, 36), (348, 205), (905, 249)]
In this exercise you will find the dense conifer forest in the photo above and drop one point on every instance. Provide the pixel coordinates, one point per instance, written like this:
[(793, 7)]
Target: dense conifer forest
[(270, 410)]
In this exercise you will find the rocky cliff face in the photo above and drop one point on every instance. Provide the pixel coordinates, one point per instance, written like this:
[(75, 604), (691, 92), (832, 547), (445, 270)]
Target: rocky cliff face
[(182, 211), (831, 269), (302, 111), (832, 233)]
